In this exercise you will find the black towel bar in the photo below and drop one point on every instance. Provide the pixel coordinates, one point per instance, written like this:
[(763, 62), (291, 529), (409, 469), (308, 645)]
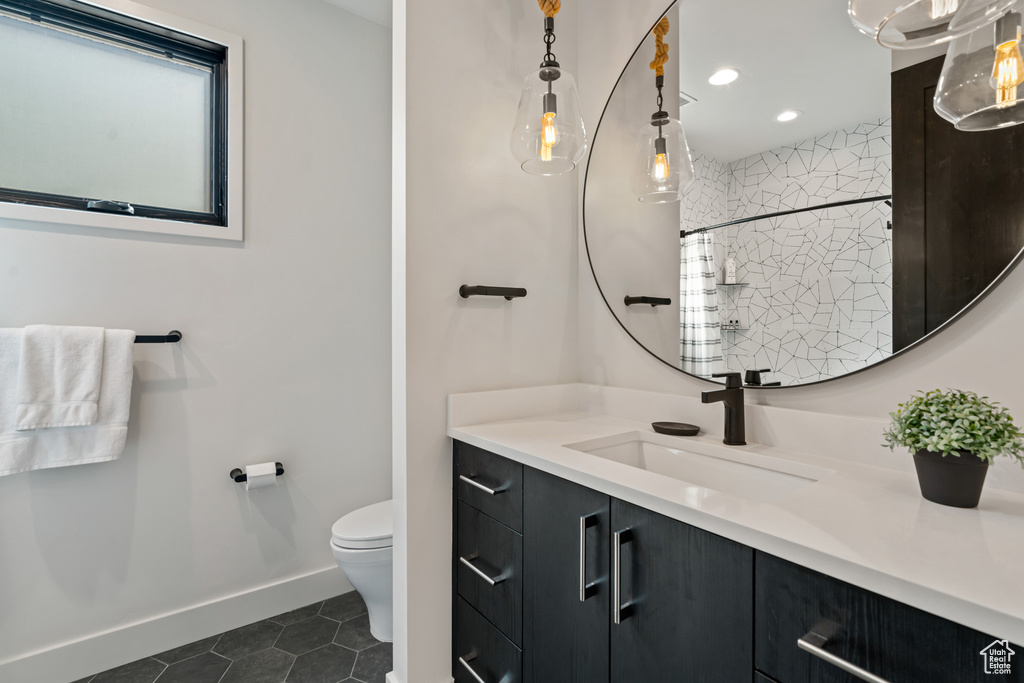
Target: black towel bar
[(652, 300), (172, 337), (466, 291)]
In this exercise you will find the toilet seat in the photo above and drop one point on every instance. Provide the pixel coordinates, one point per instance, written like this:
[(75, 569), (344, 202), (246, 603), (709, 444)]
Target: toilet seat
[(370, 527)]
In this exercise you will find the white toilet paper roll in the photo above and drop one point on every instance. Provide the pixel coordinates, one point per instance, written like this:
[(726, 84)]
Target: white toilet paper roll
[(260, 475)]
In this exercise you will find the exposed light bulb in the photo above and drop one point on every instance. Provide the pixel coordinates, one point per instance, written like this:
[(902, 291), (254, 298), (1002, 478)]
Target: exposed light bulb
[(660, 171), (944, 8), (549, 131), (1008, 71)]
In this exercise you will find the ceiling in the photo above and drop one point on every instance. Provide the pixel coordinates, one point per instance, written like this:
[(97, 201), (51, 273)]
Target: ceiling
[(377, 11), (791, 54)]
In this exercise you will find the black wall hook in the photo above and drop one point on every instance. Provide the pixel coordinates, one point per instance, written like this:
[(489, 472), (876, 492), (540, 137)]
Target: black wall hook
[(239, 475), (466, 291)]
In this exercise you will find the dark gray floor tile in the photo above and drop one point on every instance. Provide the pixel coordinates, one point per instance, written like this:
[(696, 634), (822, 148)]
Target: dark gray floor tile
[(141, 671), (343, 607), (204, 668), (306, 635), (355, 634), (373, 665), (298, 614), (328, 664), (248, 639), (266, 666), (187, 651)]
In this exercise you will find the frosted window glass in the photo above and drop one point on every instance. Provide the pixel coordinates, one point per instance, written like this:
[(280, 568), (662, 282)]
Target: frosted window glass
[(83, 118)]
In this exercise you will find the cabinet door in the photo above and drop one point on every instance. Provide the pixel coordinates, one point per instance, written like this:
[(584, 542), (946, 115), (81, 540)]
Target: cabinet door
[(893, 641), (685, 602), (565, 543)]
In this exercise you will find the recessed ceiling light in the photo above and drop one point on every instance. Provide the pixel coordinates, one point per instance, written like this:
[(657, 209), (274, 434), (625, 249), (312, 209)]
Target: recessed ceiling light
[(788, 115), (724, 77)]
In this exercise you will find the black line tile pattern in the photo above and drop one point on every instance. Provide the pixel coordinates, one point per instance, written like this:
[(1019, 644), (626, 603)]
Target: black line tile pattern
[(818, 302), (326, 642)]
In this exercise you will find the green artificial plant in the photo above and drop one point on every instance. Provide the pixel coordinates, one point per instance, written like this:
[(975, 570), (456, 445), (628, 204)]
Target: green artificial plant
[(951, 421)]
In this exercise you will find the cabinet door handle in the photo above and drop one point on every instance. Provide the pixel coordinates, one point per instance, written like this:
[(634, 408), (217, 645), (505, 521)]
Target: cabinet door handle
[(619, 611), (814, 643), (486, 489), (586, 590), (490, 581), (465, 663)]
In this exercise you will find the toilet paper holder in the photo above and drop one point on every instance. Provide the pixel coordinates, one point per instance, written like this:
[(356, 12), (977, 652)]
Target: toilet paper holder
[(238, 474)]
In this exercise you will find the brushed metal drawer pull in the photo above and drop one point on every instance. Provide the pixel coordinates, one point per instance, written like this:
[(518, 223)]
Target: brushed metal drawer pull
[(486, 489), (813, 643), (465, 663), (490, 581), (619, 611), (586, 590)]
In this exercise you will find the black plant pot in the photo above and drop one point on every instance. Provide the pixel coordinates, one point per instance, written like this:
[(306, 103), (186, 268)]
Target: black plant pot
[(952, 480)]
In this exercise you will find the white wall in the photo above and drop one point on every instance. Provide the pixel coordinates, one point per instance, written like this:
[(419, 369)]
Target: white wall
[(980, 352), (636, 243), (473, 218), (285, 357)]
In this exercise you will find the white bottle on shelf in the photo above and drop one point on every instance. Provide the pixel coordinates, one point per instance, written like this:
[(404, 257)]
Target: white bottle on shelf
[(730, 271)]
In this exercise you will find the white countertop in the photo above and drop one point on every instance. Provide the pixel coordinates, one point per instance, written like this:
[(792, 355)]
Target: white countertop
[(864, 524)]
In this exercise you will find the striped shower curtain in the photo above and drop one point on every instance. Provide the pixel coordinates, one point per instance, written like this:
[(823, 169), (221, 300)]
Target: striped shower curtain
[(700, 338)]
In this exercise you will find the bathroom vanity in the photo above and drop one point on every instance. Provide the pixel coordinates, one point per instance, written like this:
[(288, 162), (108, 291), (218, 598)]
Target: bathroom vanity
[(586, 559)]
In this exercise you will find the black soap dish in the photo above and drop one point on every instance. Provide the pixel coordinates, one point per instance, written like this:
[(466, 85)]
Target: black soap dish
[(675, 428)]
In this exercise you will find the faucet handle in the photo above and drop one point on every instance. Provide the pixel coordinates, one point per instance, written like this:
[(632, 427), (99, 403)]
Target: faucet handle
[(753, 377), (732, 379)]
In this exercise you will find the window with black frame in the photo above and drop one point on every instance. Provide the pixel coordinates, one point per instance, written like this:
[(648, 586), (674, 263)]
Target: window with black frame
[(108, 113)]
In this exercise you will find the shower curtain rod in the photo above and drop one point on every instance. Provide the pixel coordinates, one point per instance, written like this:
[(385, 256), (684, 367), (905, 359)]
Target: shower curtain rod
[(863, 200)]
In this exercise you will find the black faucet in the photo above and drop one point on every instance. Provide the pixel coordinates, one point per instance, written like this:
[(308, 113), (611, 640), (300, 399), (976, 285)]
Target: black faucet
[(732, 397)]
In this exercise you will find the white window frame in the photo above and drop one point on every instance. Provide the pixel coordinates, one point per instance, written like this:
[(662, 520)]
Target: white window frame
[(234, 65)]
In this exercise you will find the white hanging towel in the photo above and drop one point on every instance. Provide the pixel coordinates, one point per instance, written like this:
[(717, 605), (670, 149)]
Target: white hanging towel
[(21, 451), (59, 376)]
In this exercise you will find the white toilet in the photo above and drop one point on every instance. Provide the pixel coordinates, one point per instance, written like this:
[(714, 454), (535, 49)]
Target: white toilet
[(362, 545)]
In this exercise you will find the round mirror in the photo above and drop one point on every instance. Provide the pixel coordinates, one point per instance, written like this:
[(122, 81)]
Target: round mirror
[(832, 219)]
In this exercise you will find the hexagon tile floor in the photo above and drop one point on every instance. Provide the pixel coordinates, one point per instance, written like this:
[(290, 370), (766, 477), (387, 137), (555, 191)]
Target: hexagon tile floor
[(327, 642)]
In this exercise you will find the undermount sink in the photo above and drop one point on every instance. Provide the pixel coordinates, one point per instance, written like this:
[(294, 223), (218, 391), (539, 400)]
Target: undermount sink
[(752, 476)]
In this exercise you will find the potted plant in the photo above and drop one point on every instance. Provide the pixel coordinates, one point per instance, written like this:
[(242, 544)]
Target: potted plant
[(955, 436)]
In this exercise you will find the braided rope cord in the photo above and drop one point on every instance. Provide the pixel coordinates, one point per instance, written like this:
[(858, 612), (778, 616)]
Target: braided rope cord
[(661, 52), (550, 7)]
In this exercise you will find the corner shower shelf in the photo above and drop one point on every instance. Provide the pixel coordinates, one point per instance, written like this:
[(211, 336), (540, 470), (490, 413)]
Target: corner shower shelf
[(732, 284)]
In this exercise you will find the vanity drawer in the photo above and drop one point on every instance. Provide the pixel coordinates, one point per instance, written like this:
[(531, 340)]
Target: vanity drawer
[(895, 642), (480, 647), (489, 570), (490, 483)]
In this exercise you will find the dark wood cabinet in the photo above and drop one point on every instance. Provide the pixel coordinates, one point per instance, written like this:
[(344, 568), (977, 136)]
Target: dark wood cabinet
[(686, 600), (683, 592), (898, 643), (692, 607), (566, 629)]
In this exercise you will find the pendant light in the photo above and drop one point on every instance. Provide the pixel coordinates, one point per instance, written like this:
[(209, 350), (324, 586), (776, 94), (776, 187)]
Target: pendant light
[(663, 168), (548, 137), (911, 24), (980, 85)]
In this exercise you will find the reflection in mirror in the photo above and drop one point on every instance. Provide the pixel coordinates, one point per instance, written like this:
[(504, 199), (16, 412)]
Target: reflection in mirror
[(831, 223)]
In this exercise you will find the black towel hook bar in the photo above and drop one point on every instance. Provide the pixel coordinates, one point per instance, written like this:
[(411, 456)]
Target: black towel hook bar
[(172, 337)]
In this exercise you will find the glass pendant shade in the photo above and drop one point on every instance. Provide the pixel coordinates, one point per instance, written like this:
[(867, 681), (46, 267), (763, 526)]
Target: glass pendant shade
[(662, 169), (912, 24), (548, 137), (982, 81)]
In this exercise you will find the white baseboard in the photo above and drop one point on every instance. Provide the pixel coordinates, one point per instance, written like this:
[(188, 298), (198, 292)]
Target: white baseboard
[(97, 652), (392, 677)]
